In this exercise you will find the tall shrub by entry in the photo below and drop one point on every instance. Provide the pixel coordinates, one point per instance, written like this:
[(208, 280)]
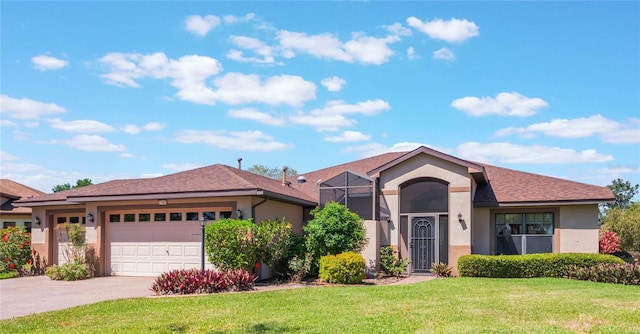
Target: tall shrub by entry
[(333, 230), (231, 244)]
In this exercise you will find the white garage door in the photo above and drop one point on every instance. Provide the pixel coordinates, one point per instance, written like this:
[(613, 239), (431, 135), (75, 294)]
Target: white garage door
[(152, 242)]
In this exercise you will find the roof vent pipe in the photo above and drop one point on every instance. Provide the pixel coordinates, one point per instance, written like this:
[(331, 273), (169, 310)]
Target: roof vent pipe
[(302, 179), (239, 163), (284, 175)]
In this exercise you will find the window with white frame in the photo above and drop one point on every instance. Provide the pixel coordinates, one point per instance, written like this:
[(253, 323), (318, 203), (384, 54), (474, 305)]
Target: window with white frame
[(524, 232)]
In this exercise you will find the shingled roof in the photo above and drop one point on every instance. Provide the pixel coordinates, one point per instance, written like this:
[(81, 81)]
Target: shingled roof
[(215, 180), (14, 191), (497, 186), (508, 186)]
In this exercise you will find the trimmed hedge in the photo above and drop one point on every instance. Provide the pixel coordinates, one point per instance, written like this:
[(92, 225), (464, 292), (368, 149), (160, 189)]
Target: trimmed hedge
[(531, 265), (617, 273), (343, 268)]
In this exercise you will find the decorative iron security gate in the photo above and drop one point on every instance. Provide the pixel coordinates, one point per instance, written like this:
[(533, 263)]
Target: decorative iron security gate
[(423, 242)]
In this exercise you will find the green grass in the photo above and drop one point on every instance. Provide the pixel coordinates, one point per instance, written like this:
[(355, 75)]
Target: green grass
[(457, 305)]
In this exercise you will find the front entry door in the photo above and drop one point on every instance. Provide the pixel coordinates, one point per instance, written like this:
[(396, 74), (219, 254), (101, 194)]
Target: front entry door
[(423, 243)]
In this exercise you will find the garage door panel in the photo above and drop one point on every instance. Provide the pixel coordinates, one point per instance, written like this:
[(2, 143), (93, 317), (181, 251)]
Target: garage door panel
[(159, 250), (144, 250), (128, 250), (176, 250), (192, 250)]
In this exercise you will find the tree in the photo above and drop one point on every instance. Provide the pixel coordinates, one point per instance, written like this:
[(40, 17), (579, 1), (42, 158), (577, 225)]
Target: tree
[(67, 186), (624, 192), (271, 172), (626, 224)]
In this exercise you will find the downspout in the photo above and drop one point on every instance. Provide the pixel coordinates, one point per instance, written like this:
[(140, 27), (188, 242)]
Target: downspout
[(254, 206)]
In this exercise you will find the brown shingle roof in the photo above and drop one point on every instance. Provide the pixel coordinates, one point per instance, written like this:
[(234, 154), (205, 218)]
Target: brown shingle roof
[(505, 186), (210, 179), (510, 186), (14, 191)]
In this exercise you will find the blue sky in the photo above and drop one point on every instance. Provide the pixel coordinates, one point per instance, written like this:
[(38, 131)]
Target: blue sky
[(111, 90)]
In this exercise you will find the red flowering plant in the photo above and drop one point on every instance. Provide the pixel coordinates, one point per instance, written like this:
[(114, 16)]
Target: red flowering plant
[(609, 242), (15, 249)]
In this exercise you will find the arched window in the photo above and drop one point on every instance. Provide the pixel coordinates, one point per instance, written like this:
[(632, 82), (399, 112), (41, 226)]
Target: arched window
[(424, 195)]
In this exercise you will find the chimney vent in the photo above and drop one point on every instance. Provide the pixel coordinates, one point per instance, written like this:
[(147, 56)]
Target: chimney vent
[(239, 163), (284, 175)]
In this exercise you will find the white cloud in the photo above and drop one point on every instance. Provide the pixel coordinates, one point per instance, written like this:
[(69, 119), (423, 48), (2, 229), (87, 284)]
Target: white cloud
[(369, 107), (201, 25), (265, 52), (6, 122), (153, 126), (4, 156), (444, 54), (453, 30), (398, 29), (331, 116), (505, 104), (131, 129), (80, 126), (48, 63), (189, 74), (322, 122), (93, 143), (255, 141), (411, 53), (372, 149), (348, 136), (238, 88), (513, 153), (127, 155), (181, 167), (568, 128), (603, 176), (27, 108), (21, 135), (235, 19), (333, 84), (254, 115), (628, 133), (360, 48)]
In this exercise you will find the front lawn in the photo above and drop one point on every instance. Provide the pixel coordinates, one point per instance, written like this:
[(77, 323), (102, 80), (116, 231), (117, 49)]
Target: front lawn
[(454, 305)]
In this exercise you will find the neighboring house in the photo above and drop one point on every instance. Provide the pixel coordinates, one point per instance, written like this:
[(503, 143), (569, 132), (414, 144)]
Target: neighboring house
[(430, 206), (10, 215)]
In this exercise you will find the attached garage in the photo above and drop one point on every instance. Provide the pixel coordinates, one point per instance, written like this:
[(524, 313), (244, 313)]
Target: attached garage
[(147, 243)]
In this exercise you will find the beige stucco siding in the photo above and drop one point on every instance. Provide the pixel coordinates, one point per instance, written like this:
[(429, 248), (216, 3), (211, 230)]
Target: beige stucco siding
[(578, 227), (272, 209), (371, 251), (481, 231)]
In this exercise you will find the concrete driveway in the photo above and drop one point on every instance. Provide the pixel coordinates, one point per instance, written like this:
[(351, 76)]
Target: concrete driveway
[(27, 295)]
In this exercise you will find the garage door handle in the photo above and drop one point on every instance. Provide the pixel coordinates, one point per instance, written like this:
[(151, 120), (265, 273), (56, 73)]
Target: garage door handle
[(167, 251)]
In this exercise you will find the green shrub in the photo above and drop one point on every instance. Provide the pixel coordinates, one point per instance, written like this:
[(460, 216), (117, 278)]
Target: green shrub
[(299, 267), (274, 239), (343, 268), (390, 264), (230, 244), (531, 265), (333, 230), (618, 273), (441, 269), (69, 272), (15, 249)]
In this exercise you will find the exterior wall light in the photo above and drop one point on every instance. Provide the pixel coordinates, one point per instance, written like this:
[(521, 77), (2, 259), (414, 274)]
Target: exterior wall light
[(37, 220), (388, 219), (90, 217), (460, 217), (239, 214)]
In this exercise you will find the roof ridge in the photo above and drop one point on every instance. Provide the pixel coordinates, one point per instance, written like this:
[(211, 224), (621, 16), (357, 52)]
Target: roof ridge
[(541, 175)]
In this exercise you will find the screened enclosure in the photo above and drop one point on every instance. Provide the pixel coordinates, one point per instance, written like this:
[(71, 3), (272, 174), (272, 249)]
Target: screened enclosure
[(351, 190)]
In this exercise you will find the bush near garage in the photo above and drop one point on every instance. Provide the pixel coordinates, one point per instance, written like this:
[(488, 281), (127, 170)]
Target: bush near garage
[(530, 265), (240, 244), (343, 268), (15, 249), (70, 271), (194, 281)]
